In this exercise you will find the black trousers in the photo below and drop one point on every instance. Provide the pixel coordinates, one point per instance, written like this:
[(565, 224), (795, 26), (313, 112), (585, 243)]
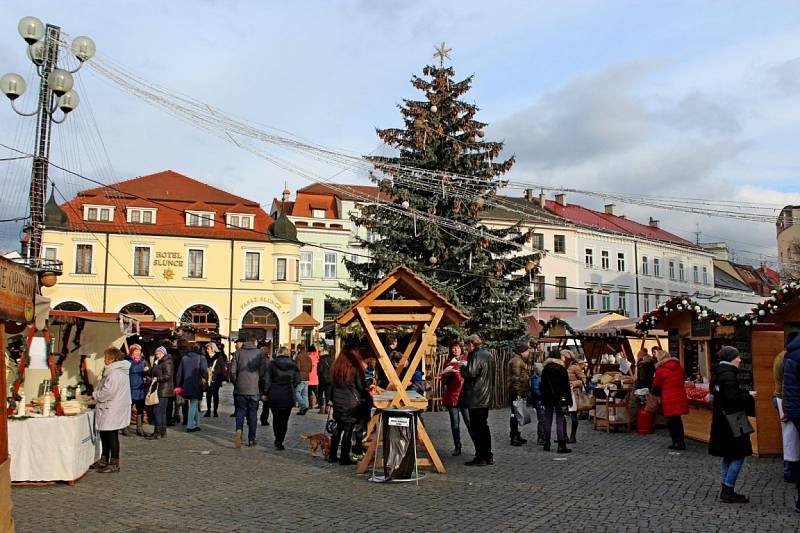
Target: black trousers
[(343, 434), (110, 442), (675, 427), (264, 413), (479, 431), (323, 394), (280, 422), (212, 397)]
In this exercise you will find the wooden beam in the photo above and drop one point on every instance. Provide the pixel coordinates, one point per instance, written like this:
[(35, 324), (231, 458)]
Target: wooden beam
[(428, 445), (400, 318), (383, 357), (373, 294), (410, 348), (400, 303), (423, 346)]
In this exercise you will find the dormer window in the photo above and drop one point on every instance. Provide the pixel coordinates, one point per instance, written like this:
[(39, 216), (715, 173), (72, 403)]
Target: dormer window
[(318, 213), (138, 215), (98, 213), (204, 219), (240, 221)]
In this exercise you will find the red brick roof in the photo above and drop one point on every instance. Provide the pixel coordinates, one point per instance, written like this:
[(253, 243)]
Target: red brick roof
[(595, 219), (172, 194), (770, 274), (346, 192)]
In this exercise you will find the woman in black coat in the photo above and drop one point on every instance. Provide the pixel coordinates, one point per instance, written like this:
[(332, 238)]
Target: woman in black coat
[(280, 381), (556, 398), (215, 360), (349, 400), (729, 399)]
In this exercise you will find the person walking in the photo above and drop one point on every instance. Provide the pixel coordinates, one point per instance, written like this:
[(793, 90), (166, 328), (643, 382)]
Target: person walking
[(237, 345), (280, 383), (453, 382), (304, 366), (138, 383), (162, 374), (645, 370), (313, 378), (349, 394), (668, 385), (577, 379), (247, 375), (192, 379), (519, 383), (215, 360), (324, 381), (264, 347), (556, 399), (478, 372), (729, 400), (113, 408), (791, 392)]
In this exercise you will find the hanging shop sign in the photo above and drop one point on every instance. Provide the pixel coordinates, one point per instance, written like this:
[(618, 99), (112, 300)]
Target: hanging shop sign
[(17, 290)]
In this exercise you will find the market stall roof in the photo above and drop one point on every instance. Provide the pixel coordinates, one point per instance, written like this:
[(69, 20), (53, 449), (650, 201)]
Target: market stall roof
[(67, 316), (625, 327), (303, 320)]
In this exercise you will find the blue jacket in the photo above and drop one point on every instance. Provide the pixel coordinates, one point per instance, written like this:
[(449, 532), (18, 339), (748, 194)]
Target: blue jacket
[(791, 380), (536, 390), (193, 367), (136, 377)]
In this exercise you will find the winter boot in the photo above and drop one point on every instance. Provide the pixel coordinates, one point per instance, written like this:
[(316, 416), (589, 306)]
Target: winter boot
[(562, 447), (572, 432), (457, 450), (163, 431), (516, 440), (155, 435), (546, 446), (111, 468), (139, 430), (728, 495), (100, 463), (237, 439), (347, 441)]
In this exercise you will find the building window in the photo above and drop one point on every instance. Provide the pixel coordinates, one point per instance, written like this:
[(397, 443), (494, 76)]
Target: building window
[(645, 265), (589, 299), (621, 262), (148, 217), (589, 257), (538, 288), (330, 264), (136, 216), (280, 270), (194, 220), (672, 270), (354, 258), (681, 272), (200, 218), (244, 222), (83, 259), (233, 221), (195, 264), (623, 301), (306, 264), (657, 267), (252, 266), (308, 306), (646, 301), (658, 296), (239, 221), (104, 215), (318, 213), (705, 275), (605, 262), (141, 261), (51, 253), (605, 302), (91, 213), (696, 274), (141, 216), (559, 244), (561, 288), (538, 241)]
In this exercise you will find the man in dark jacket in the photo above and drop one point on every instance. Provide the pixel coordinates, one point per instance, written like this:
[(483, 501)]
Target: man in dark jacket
[(519, 383), (247, 372), (556, 398), (191, 374), (478, 372), (324, 377), (791, 392), (279, 385), (304, 366)]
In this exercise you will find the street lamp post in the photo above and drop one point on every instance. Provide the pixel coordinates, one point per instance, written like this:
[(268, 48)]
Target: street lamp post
[(55, 93)]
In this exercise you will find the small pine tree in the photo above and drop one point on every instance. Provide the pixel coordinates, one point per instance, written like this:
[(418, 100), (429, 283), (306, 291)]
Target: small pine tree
[(480, 271)]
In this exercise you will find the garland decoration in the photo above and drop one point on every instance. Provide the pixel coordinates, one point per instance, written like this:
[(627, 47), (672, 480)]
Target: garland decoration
[(14, 398), (780, 297), (555, 322), (701, 312)]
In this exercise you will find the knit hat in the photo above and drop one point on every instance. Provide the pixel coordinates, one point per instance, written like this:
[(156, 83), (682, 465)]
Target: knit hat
[(161, 350), (521, 347), (728, 353)]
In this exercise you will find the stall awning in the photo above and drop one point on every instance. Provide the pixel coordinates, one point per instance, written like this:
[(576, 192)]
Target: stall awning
[(303, 320)]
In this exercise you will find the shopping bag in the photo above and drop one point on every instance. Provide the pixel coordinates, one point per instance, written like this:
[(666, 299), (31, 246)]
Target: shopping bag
[(651, 403), (521, 412), (152, 395)]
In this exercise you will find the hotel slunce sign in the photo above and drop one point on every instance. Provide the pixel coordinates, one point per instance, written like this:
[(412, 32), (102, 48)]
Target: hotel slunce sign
[(168, 259)]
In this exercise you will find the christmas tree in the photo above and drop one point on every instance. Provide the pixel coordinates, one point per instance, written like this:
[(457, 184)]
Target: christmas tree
[(483, 271)]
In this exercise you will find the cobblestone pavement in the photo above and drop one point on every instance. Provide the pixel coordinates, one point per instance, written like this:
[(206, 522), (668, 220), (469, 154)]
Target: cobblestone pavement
[(611, 482)]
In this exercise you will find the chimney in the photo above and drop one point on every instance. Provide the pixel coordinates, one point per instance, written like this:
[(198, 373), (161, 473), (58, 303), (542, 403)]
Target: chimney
[(610, 209), (561, 199), (541, 198), (653, 223), (529, 194)]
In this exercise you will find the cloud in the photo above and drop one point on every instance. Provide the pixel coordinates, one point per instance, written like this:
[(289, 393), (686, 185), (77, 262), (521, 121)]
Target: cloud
[(785, 77), (703, 114)]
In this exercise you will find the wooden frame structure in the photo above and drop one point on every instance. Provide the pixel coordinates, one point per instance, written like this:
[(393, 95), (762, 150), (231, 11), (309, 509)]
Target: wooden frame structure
[(401, 298), (302, 322)]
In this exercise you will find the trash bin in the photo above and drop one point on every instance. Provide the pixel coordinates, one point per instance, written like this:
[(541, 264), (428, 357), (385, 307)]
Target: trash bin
[(399, 443)]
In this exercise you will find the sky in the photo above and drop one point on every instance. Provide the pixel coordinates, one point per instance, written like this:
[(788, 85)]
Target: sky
[(675, 98)]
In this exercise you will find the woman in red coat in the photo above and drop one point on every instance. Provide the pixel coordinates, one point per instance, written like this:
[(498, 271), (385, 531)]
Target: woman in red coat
[(453, 382), (668, 385)]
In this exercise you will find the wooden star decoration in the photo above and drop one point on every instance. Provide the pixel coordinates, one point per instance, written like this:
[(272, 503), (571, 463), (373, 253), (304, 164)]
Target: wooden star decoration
[(442, 52)]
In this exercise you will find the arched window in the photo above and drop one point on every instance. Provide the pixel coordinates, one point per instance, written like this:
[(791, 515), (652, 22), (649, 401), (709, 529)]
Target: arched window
[(70, 306), (200, 316), (260, 317), (137, 308)]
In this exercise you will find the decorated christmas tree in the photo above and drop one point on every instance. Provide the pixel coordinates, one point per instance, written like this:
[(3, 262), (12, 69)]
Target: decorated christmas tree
[(432, 224)]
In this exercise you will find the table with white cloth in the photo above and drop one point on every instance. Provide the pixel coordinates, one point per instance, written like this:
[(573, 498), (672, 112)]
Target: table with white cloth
[(53, 448)]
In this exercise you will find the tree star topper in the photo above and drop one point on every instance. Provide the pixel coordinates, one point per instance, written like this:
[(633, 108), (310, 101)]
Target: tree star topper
[(442, 52)]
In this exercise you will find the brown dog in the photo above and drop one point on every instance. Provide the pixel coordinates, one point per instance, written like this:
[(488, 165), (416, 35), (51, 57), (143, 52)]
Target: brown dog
[(317, 441)]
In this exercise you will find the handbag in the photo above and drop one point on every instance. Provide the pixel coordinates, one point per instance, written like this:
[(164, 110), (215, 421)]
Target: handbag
[(330, 423), (152, 394), (651, 403), (521, 412), (583, 401), (739, 423)]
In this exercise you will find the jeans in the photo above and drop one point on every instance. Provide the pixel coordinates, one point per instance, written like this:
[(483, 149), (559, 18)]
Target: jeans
[(110, 441), (539, 423), (301, 394), (280, 422), (454, 423), (479, 431), (193, 415), (561, 423), (247, 405), (675, 427), (730, 471), (160, 412)]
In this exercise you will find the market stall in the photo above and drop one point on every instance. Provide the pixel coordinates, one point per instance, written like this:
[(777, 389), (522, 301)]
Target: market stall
[(696, 333)]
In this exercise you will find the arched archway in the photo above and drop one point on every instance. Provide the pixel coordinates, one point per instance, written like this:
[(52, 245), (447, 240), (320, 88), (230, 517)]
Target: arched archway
[(200, 316), (137, 308), (264, 323), (70, 306)]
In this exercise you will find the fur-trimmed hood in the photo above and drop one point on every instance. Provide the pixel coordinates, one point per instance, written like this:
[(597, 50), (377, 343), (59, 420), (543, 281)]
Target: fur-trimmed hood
[(667, 360), (554, 360)]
